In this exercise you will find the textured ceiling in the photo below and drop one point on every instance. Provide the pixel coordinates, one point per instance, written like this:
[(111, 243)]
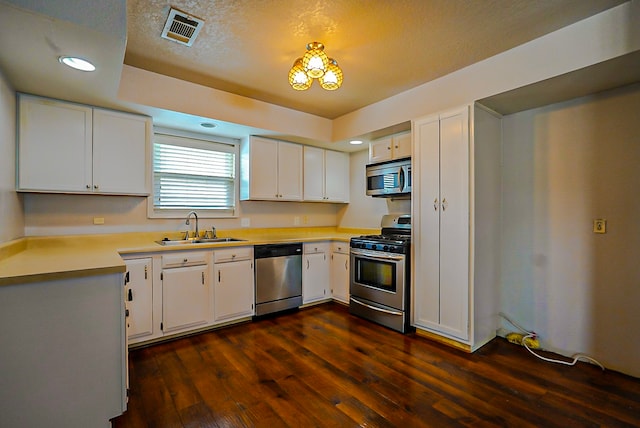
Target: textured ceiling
[(247, 47), (384, 47)]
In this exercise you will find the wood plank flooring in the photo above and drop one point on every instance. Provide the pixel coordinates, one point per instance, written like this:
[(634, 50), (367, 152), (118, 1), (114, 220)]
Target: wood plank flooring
[(322, 367)]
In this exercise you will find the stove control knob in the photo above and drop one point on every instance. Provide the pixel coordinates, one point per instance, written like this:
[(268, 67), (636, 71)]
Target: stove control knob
[(386, 248)]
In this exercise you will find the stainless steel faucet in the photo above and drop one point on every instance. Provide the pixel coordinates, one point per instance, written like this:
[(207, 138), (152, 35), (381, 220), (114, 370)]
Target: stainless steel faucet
[(197, 235)]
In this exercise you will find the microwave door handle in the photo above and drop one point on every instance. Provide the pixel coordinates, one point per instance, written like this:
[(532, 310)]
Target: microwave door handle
[(402, 178)]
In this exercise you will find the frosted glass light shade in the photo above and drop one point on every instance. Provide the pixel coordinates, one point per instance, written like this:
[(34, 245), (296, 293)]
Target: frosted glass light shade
[(315, 61), (298, 78), (332, 78)]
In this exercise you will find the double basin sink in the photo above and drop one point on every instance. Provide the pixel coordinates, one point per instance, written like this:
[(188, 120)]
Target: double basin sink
[(167, 241)]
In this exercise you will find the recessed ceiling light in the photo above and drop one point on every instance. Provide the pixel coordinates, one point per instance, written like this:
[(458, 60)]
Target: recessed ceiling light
[(355, 142), (77, 63), (208, 125)]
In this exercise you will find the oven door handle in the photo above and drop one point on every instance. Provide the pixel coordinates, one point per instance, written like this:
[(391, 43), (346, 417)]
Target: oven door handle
[(376, 256), (386, 311)]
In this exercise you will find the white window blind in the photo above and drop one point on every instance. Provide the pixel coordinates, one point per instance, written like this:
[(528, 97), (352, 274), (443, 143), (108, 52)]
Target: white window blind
[(191, 174)]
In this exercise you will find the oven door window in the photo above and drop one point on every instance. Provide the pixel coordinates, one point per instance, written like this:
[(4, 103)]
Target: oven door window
[(376, 273)]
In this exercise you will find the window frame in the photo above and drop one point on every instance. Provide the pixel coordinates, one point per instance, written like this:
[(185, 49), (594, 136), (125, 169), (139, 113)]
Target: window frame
[(198, 141)]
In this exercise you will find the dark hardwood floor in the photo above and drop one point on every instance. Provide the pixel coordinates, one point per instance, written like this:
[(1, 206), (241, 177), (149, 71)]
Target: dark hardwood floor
[(321, 367)]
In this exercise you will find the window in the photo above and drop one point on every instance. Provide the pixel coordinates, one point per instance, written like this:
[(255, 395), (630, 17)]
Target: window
[(192, 174)]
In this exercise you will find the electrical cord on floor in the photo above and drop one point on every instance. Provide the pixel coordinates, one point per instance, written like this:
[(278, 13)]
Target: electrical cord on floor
[(533, 335)]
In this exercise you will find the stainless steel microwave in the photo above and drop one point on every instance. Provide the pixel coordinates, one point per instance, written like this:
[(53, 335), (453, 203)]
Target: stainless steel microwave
[(389, 179)]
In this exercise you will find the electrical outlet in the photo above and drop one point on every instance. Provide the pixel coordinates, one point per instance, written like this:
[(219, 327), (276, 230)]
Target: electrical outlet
[(305, 219), (245, 222), (98, 220), (296, 221), (600, 225)]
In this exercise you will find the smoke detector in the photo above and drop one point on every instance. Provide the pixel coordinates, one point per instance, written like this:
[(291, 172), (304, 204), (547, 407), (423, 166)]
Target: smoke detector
[(181, 27)]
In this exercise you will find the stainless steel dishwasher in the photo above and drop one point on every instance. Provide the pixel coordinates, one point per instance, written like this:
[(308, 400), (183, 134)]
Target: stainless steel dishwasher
[(278, 277)]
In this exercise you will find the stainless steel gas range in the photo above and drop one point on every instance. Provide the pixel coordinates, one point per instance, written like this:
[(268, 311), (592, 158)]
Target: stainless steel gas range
[(380, 274)]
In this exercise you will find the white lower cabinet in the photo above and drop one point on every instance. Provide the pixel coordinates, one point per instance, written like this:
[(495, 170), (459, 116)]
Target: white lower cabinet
[(233, 284), (138, 296), (339, 269), (456, 233), (315, 272), (186, 291)]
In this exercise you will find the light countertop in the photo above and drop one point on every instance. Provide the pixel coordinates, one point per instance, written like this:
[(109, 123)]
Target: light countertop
[(34, 259)]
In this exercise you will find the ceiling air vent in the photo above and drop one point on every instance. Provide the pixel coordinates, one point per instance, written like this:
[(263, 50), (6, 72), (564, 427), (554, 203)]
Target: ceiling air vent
[(181, 27)]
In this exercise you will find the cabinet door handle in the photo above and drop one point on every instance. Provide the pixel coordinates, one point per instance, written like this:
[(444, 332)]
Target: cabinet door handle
[(435, 204), (95, 186), (185, 260), (88, 187), (445, 204), (145, 271), (130, 296), (307, 264), (202, 278), (346, 266), (218, 276)]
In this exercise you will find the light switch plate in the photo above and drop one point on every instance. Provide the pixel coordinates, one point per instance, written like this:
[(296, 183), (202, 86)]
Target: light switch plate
[(98, 220), (600, 225)]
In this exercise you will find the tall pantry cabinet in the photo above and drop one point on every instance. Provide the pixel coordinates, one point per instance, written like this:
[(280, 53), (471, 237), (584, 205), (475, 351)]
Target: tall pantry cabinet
[(456, 233)]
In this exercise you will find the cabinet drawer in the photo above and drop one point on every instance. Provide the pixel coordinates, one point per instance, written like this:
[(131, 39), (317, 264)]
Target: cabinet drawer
[(315, 247), (340, 247), (233, 254), (184, 258)]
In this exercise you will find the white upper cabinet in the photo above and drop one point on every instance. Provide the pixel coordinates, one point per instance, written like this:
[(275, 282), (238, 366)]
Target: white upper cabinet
[(289, 171), (326, 175), (71, 148), (336, 177), (120, 152), (390, 148), (54, 146), (270, 170)]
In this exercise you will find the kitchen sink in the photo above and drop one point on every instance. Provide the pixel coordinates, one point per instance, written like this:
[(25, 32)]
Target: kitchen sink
[(167, 241)]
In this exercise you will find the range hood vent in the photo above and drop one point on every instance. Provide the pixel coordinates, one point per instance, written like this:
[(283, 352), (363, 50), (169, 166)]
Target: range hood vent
[(181, 27)]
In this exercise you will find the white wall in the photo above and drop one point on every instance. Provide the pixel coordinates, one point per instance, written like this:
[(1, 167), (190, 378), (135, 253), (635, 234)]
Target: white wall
[(365, 211), (565, 165), (604, 36), (11, 210), (57, 214)]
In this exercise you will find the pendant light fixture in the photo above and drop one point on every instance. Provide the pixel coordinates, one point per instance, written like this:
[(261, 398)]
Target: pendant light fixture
[(315, 64)]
